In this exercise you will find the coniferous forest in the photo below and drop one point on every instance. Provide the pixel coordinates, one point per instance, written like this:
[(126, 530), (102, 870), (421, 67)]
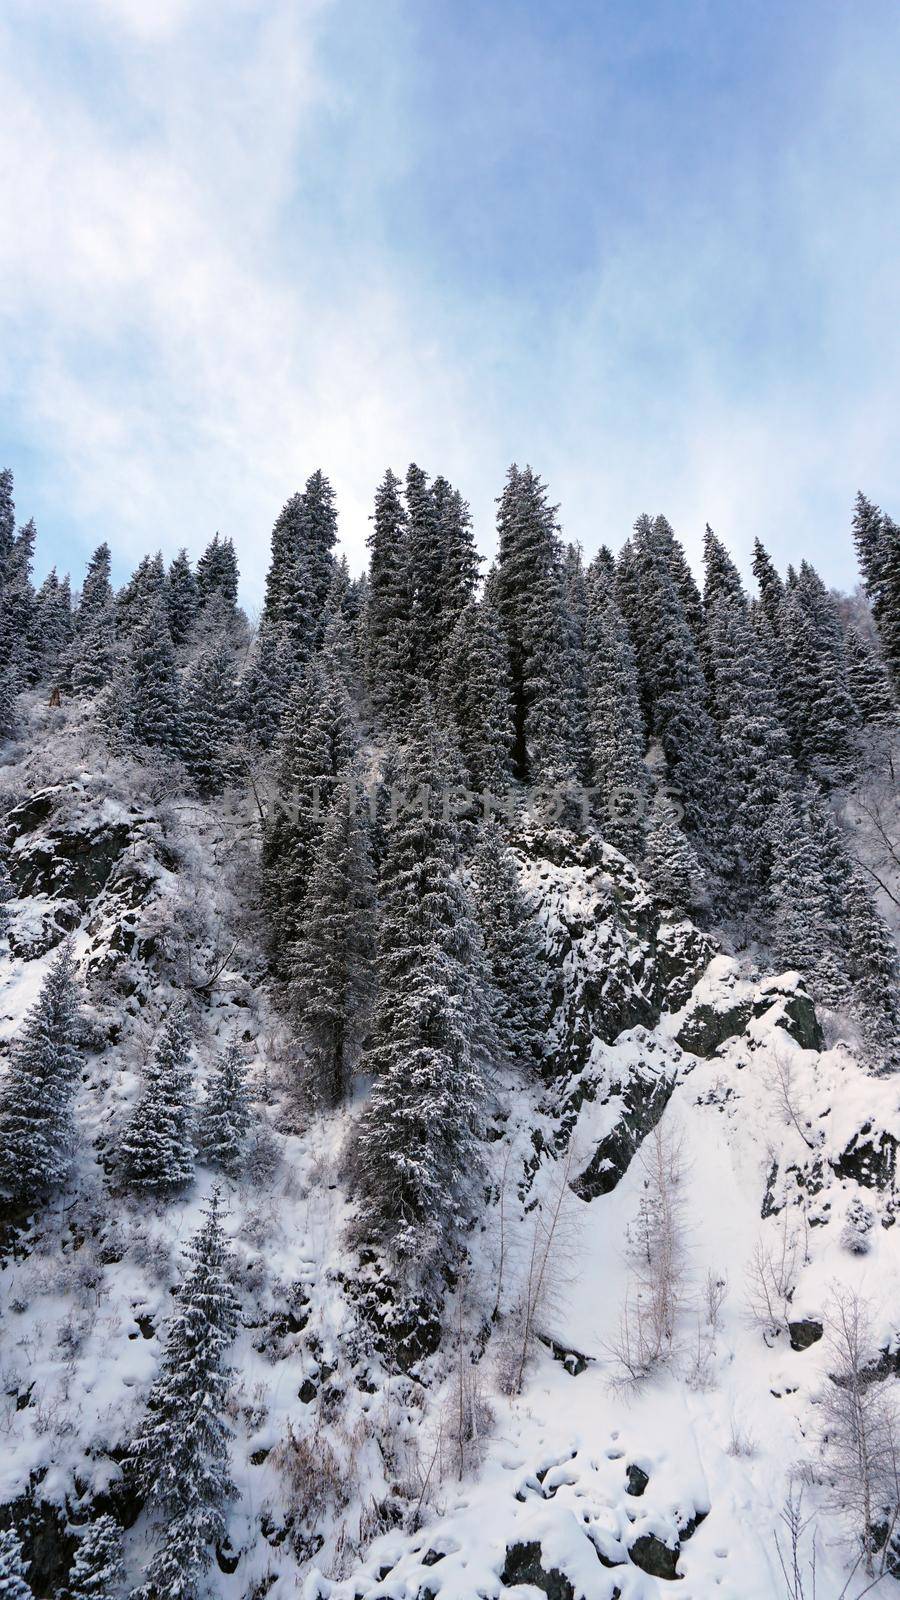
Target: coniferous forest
[(448, 1114)]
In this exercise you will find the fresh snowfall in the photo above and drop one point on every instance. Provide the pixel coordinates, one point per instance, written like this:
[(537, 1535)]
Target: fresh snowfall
[(449, 1072)]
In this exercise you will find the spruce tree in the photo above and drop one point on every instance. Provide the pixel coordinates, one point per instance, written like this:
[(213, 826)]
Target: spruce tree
[(677, 690), (9, 685), (37, 1133), (144, 592), (153, 682), (17, 610), (93, 655), (181, 599), (723, 581), (475, 691), (531, 599), (416, 1155), (754, 747), (98, 1572), (670, 862), (877, 539), (672, 552), (822, 717), (802, 901), (217, 578), (51, 624), (771, 588), (317, 744), (7, 889), (875, 972), (179, 1460), (868, 682), (301, 569), (388, 622), (7, 520), (156, 1154), (224, 1118), (617, 775), (209, 721), (13, 1567), (331, 980), (513, 949)]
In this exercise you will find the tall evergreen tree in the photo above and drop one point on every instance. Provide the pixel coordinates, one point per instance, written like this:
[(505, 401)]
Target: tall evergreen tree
[(209, 721), (875, 971), (723, 581), (670, 862), (37, 1133), (98, 1572), (802, 901), (771, 588), (17, 609), (531, 599), (144, 592), (317, 745), (179, 1460), (388, 625), (754, 747), (153, 682), (476, 692), (157, 1153), (224, 1119), (96, 591), (877, 539), (182, 598), (332, 973), (92, 656), (676, 686), (513, 948), (52, 627), (868, 682), (301, 568), (821, 713), (617, 775), (672, 552), (7, 520), (13, 1567), (416, 1154), (217, 577)]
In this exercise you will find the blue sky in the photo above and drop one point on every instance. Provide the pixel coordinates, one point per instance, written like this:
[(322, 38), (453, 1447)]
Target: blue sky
[(651, 248)]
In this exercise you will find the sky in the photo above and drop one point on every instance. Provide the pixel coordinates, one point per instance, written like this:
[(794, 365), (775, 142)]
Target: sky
[(651, 248)]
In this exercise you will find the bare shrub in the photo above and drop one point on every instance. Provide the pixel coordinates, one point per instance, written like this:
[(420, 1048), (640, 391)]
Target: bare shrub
[(772, 1276), (655, 1295), (313, 1472), (549, 1259)]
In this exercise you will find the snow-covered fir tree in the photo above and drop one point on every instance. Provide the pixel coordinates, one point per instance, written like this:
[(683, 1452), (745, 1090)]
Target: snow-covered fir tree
[(37, 1132), (530, 594), (771, 588), (331, 981), (17, 608), (513, 948), (209, 726), (13, 1567), (98, 1571), (150, 682), (92, 656), (671, 865), (7, 890), (802, 901), (179, 1459), (877, 539), (156, 1150), (822, 717), (415, 1156), (475, 690), (181, 598), (144, 591), (617, 776), (868, 681), (387, 625), (217, 577), (224, 1118), (874, 969)]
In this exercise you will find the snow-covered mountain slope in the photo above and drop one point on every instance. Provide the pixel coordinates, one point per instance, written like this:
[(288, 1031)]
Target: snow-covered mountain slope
[(626, 1384)]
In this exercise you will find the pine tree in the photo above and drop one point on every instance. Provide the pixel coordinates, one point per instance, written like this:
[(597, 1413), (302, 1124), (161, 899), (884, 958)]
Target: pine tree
[(37, 1133), (670, 863), (217, 578), (877, 539), (685, 584), (332, 974), (301, 568), (317, 746), (388, 624), (157, 1153), (98, 1572), (723, 581), (7, 520), (92, 656), (153, 682), (475, 691), (677, 690), (12, 1568), (459, 562), (182, 599), (266, 686), (754, 747), (873, 966), (209, 723), (531, 599), (9, 685), (868, 682), (144, 592), (52, 627), (224, 1119), (822, 717), (416, 1155), (179, 1460), (17, 609), (771, 588), (616, 772), (513, 948), (802, 901), (7, 889)]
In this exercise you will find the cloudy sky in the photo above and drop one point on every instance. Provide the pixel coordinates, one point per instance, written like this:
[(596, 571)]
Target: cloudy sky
[(651, 248)]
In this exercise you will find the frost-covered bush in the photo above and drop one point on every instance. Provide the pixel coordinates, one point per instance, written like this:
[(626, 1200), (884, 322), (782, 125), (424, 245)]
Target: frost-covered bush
[(858, 1225)]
